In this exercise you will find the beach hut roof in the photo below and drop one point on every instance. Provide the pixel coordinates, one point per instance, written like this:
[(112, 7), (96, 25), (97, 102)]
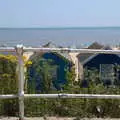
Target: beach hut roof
[(50, 45), (95, 45)]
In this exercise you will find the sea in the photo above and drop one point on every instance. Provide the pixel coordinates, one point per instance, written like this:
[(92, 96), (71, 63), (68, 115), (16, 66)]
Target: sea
[(67, 37)]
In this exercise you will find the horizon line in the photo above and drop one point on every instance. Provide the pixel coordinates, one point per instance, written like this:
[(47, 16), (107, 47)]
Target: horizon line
[(59, 27)]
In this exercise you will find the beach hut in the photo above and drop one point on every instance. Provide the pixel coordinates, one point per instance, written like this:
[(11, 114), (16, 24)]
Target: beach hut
[(59, 63), (104, 63)]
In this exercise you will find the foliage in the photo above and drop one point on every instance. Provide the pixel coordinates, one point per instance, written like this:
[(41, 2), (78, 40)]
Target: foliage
[(70, 77), (78, 108), (42, 79), (8, 83)]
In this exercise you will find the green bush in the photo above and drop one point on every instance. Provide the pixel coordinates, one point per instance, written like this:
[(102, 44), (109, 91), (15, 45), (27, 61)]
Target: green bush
[(78, 108), (8, 84)]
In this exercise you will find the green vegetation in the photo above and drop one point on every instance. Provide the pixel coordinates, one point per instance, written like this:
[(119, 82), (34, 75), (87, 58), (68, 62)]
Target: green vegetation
[(8, 84), (40, 76), (57, 107)]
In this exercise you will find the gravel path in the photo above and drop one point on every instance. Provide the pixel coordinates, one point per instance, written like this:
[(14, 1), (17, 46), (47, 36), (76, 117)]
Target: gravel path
[(55, 118)]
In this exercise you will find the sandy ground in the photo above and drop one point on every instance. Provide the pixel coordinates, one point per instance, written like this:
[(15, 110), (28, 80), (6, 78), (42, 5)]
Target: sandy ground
[(56, 118)]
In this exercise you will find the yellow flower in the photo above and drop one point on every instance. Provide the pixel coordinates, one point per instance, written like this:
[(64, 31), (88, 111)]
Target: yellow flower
[(29, 62)]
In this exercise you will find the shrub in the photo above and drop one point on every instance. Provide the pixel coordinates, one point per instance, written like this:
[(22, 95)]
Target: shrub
[(8, 84)]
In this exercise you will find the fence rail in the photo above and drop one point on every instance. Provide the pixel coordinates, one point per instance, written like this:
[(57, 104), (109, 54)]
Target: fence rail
[(19, 49)]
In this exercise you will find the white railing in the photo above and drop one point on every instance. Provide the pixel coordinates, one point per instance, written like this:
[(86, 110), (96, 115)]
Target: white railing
[(19, 49)]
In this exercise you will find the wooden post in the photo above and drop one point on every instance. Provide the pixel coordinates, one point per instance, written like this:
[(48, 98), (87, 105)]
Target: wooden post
[(19, 51)]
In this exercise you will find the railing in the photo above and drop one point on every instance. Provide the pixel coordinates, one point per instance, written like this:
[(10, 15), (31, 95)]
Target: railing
[(19, 49)]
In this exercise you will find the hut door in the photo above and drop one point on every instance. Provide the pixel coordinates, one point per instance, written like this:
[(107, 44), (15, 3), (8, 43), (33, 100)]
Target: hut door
[(107, 73)]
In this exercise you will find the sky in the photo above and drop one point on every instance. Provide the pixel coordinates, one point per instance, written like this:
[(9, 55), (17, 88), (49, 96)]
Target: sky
[(59, 13)]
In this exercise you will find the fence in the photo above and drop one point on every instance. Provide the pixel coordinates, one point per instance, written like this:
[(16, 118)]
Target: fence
[(19, 49)]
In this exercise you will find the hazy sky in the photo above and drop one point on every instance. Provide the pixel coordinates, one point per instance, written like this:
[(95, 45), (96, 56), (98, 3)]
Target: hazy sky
[(59, 13)]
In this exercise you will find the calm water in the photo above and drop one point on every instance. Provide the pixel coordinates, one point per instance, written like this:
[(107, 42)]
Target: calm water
[(60, 36)]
